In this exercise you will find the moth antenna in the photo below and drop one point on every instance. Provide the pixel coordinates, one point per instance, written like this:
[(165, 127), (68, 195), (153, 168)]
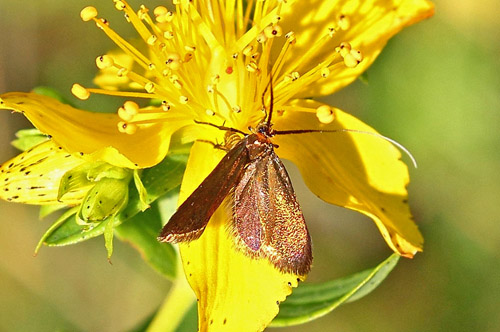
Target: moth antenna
[(271, 91), (399, 145), (233, 130), (305, 131)]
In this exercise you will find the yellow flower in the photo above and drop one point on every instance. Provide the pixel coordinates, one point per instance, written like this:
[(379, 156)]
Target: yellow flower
[(211, 61)]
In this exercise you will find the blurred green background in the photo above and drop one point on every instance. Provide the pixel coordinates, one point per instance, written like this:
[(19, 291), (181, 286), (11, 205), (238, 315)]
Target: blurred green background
[(435, 88)]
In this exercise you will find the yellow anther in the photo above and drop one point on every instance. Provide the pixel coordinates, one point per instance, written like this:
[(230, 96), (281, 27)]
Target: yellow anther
[(177, 84), (169, 16), (165, 106), (235, 56), (160, 11), (215, 79), (176, 2), (291, 37), (80, 92), (247, 51), (88, 13), (276, 19), (131, 107), (124, 115), (142, 12), (104, 61), (344, 22), (188, 56), (255, 56), (325, 72), (236, 109), (261, 38), (190, 48), (291, 77), (175, 65), (120, 5), (209, 112), (357, 55), (151, 66), (273, 31), (350, 61), (173, 61), (210, 88), (252, 67), (122, 72), (173, 78), (150, 87), (344, 49), (183, 100), (332, 32), (102, 22), (325, 114), (152, 40), (168, 35), (127, 128)]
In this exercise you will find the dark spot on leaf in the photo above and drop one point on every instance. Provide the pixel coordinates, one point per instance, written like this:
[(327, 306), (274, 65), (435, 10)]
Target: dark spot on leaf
[(225, 321), (27, 173), (211, 321), (6, 189), (22, 169), (382, 209), (405, 201), (81, 153), (41, 195), (289, 284), (69, 177), (15, 197)]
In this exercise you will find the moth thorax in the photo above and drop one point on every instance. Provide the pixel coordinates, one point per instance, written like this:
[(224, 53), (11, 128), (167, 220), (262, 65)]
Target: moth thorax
[(258, 145)]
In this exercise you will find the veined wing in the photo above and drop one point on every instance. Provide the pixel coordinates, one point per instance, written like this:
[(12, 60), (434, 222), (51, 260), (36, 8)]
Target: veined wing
[(191, 218)]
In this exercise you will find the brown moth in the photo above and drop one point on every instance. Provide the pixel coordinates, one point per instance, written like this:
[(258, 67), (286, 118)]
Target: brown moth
[(267, 221)]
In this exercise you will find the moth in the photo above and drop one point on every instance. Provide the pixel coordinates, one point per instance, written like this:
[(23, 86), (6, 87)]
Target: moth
[(267, 221)]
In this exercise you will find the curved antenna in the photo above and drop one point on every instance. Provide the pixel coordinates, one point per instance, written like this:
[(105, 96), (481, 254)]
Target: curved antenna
[(305, 131)]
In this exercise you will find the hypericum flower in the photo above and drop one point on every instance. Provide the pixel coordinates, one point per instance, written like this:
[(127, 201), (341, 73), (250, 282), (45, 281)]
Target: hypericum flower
[(212, 61)]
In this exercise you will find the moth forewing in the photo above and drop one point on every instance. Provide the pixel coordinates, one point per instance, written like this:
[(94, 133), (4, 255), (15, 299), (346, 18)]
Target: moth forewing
[(192, 216), (267, 220)]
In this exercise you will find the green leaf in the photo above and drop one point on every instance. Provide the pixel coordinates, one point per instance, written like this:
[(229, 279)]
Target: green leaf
[(311, 301), (141, 232), (163, 179), (65, 217), (108, 236), (28, 138), (143, 194)]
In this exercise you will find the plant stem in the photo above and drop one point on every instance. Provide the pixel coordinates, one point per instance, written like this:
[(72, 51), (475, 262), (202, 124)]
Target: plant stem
[(177, 303)]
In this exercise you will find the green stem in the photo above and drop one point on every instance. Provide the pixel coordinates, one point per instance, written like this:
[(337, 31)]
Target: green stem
[(174, 308)]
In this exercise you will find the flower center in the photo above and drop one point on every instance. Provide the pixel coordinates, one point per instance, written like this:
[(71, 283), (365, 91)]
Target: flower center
[(210, 63)]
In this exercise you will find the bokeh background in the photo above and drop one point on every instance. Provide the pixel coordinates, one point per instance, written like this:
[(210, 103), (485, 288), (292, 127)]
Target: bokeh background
[(435, 88)]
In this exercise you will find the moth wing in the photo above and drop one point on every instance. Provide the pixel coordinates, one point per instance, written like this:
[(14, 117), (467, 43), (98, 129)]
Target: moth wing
[(192, 216), (268, 219)]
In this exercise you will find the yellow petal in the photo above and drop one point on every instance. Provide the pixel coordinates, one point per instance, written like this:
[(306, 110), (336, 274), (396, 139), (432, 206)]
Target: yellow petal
[(95, 135), (234, 292), (354, 170), (33, 176), (368, 26)]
